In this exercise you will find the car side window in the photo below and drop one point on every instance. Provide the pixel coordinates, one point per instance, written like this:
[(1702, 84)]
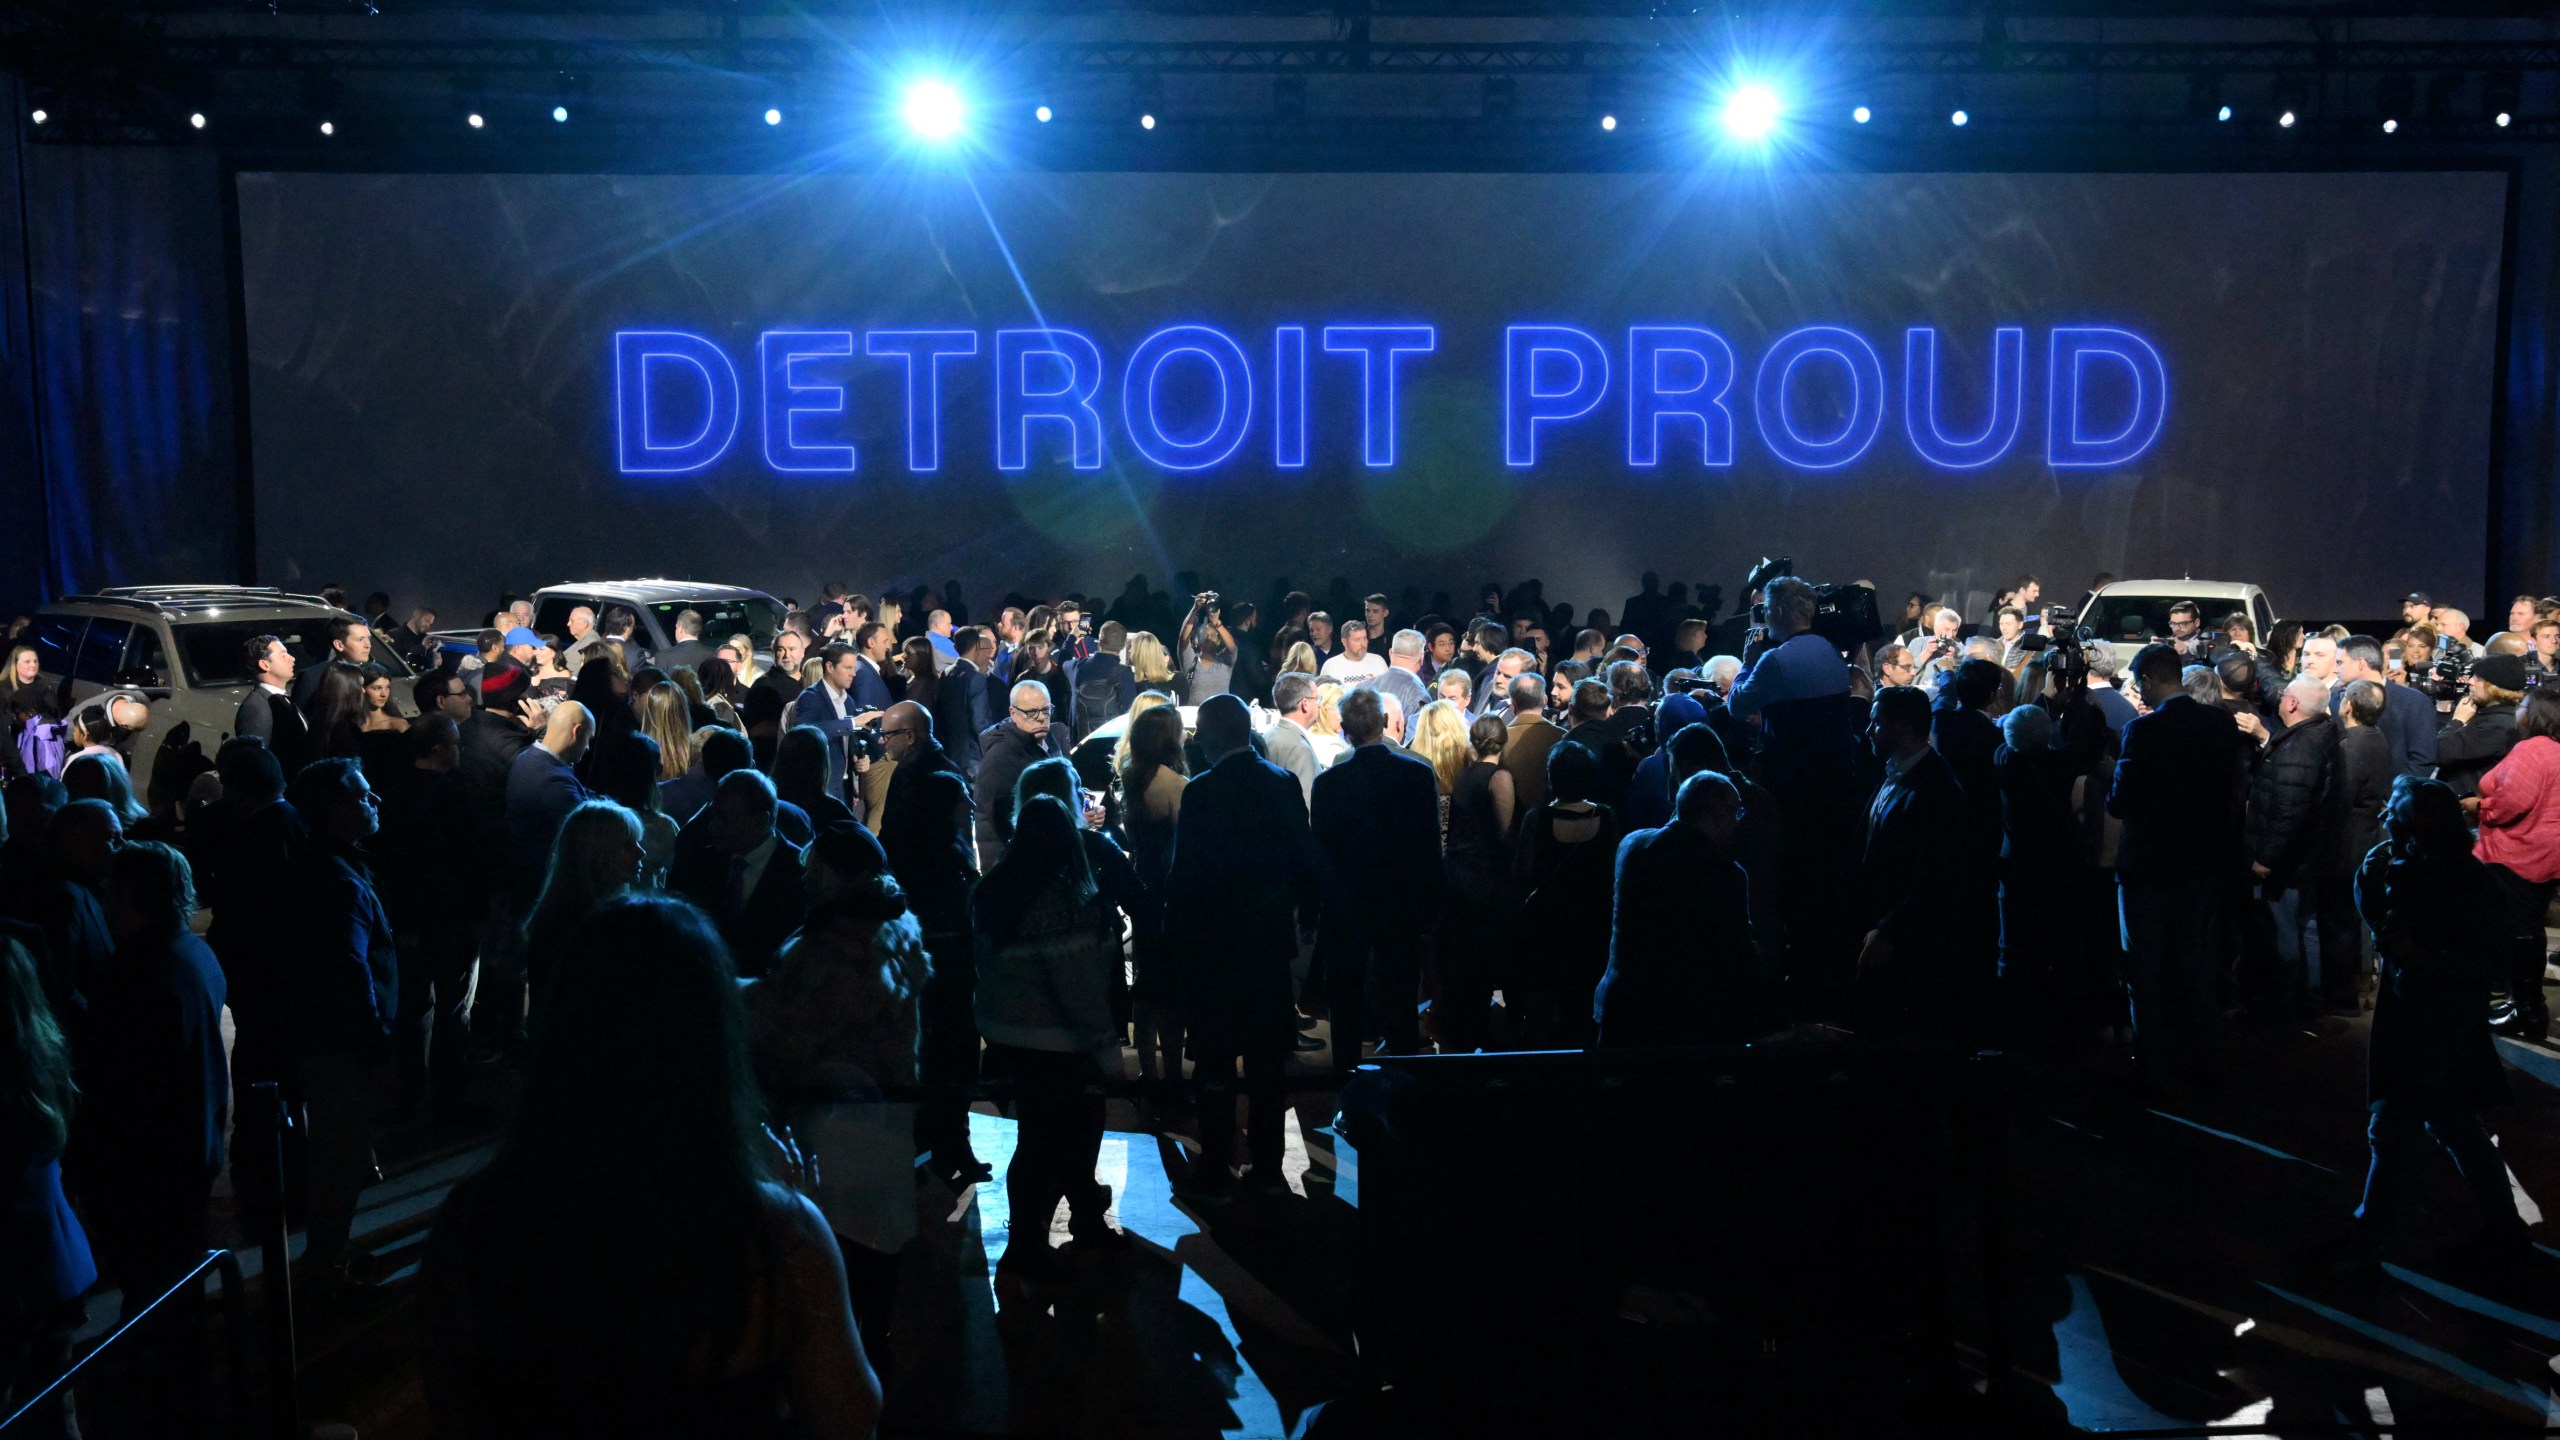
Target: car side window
[(101, 651), (551, 617), (55, 637), (146, 659), (2265, 617)]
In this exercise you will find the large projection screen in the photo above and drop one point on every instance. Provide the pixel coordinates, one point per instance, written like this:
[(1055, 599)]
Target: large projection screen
[(467, 385)]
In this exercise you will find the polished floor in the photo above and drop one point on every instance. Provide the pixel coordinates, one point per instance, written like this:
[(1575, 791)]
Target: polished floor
[(2156, 1277)]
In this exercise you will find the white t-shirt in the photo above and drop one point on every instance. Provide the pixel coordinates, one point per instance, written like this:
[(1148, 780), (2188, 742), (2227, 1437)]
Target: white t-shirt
[(1352, 672)]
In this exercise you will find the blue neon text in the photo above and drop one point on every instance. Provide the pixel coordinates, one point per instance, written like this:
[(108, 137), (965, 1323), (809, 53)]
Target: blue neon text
[(1195, 397)]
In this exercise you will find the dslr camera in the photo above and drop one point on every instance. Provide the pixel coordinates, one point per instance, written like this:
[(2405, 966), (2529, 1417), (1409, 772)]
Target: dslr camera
[(2445, 678), (1844, 615), (864, 743)]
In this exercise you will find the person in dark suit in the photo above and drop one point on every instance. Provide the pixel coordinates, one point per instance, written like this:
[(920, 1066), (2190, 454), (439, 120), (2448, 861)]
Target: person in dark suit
[(2440, 926), (154, 1081), (350, 641), (925, 830), (871, 687), (962, 708), (2180, 787), (269, 712), (1963, 733), (2043, 862), (341, 997), (1104, 684), (768, 704), (748, 878), (1915, 976), (2366, 768), (688, 652), (1377, 824), (1681, 964), (833, 709), (542, 788), (1244, 867)]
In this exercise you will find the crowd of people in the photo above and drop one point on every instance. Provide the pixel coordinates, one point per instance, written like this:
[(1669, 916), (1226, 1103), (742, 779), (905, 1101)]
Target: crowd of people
[(752, 913)]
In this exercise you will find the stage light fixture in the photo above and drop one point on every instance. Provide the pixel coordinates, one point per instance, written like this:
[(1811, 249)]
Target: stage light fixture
[(559, 114), (2285, 119), (1146, 122), (1751, 111), (474, 120), (2501, 95), (772, 116), (1042, 115), (1960, 118), (1862, 114), (934, 110), (2223, 114), (2395, 95), (328, 128), (196, 120), (38, 115), (1608, 122)]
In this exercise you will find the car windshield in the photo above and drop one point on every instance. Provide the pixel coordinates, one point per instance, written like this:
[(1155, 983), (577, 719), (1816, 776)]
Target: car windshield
[(214, 651), (2136, 618), (757, 616)]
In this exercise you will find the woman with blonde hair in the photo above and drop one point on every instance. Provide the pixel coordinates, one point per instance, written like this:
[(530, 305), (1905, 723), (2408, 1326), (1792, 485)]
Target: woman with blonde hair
[(667, 717), (1149, 662), (1147, 700), (597, 857), (740, 652), (1300, 658), (1440, 737)]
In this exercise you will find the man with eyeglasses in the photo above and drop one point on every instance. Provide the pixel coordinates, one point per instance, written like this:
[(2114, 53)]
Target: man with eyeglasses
[(1005, 750), (925, 830)]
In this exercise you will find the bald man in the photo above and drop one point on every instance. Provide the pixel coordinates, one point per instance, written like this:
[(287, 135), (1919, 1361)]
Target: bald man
[(925, 829), (1005, 750), (542, 788)]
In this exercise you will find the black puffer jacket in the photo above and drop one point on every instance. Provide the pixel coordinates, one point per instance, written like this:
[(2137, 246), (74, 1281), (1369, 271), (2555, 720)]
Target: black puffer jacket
[(2464, 753), (2366, 768), (2293, 803)]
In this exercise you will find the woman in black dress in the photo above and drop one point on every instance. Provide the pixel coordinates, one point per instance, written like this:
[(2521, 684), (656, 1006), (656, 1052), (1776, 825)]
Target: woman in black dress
[(1477, 865)]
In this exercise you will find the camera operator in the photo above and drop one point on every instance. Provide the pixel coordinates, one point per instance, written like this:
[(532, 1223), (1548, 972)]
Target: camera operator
[(1795, 685), (2484, 726)]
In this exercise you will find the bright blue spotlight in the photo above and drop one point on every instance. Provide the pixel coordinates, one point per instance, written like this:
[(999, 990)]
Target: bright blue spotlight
[(2223, 114), (1042, 115), (560, 114), (1960, 119), (773, 117), (934, 110), (1862, 114), (1752, 111)]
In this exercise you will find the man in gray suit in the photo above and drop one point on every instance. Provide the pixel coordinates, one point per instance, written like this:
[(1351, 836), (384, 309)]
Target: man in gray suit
[(1294, 696)]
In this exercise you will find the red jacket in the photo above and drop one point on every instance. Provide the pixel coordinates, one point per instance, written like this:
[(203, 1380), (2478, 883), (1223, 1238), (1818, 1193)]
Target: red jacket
[(2520, 811)]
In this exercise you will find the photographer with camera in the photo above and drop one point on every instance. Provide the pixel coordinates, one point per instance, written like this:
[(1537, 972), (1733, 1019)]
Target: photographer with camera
[(2484, 726), (1204, 653), (1795, 686)]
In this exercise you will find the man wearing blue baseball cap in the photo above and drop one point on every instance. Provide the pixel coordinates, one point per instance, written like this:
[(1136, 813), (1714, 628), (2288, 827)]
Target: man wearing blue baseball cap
[(521, 643)]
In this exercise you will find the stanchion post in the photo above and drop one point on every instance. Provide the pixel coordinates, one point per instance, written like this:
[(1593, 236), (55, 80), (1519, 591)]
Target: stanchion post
[(284, 1397), (235, 1326)]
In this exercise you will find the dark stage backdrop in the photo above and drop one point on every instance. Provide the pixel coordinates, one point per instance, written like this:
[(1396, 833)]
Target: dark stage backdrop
[(434, 380)]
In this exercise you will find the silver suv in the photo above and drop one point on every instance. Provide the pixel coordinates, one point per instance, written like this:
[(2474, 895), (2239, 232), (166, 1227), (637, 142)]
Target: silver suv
[(188, 641)]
